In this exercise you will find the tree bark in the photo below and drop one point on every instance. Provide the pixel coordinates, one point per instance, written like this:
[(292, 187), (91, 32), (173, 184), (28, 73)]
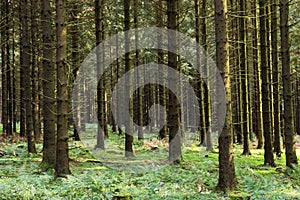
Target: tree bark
[(35, 70), (62, 154), (227, 179), (276, 95), (173, 106), (244, 79), (265, 70), (128, 128), (98, 22), (289, 128), (25, 39), (48, 85)]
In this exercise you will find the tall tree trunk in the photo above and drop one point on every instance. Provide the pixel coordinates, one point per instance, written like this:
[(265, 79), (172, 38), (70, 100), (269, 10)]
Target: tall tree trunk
[(173, 106), (25, 39), (256, 52), (289, 128), (4, 88), (227, 179), (98, 22), (276, 95), (48, 85), (244, 77), (103, 83), (8, 69), (199, 87), (21, 85), (140, 90), (129, 128), (163, 94), (265, 70), (76, 65), (258, 125), (62, 155), (14, 72), (35, 69), (232, 35)]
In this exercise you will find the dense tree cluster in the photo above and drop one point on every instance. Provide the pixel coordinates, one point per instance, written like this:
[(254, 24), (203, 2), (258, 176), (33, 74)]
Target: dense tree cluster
[(255, 45)]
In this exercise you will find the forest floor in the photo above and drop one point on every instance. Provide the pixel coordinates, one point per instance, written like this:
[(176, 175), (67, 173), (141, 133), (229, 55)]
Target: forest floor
[(194, 178)]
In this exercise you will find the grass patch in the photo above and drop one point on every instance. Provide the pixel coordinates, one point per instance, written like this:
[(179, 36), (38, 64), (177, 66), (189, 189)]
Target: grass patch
[(194, 178)]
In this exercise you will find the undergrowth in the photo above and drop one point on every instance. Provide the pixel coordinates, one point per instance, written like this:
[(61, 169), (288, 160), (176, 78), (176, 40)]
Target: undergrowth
[(194, 178)]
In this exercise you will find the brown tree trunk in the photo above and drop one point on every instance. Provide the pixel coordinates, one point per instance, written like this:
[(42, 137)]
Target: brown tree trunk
[(140, 90), (48, 85), (62, 155), (15, 69), (173, 106), (276, 95), (258, 125), (163, 92), (4, 118), (289, 128), (76, 64), (265, 70), (198, 86), (98, 22), (25, 39), (227, 179), (8, 69), (244, 79), (35, 70), (128, 128)]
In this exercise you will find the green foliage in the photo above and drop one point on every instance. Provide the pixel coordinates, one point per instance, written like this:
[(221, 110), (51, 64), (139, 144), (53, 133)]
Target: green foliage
[(194, 178)]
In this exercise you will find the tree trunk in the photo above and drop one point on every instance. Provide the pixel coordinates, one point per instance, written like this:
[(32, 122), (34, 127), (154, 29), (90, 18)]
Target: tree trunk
[(25, 39), (8, 70), (265, 70), (62, 155), (128, 128), (98, 22), (48, 85), (35, 70), (289, 128), (276, 95), (76, 64), (199, 87), (140, 90), (173, 106), (163, 92), (244, 79), (227, 179), (4, 88)]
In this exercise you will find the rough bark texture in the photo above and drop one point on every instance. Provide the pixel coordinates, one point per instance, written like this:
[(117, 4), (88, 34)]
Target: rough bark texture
[(244, 77), (62, 155), (4, 119), (25, 39), (98, 22), (21, 85), (140, 90), (163, 92), (258, 125), (8, 68), (35, 69), (173, 115), (74, 29), (129, 129), (48, 84), (265, 70), (276, 95), (289, 128), (227, 179)]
